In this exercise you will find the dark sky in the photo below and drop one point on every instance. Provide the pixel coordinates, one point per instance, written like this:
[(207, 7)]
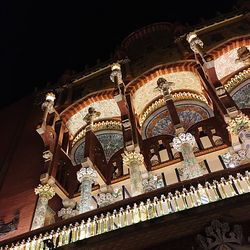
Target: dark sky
[(41, 39)]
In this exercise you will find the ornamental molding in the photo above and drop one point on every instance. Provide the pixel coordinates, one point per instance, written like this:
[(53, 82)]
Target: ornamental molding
[(45, 191), (237, 79), (102, 125), (178, 96)]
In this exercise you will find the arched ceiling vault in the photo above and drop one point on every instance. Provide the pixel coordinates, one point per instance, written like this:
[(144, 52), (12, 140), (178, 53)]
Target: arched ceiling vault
[(102, 102), (225, 56), (143, 90)]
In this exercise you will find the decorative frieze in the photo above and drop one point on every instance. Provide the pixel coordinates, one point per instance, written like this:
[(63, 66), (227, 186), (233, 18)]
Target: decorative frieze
[(237, 80)]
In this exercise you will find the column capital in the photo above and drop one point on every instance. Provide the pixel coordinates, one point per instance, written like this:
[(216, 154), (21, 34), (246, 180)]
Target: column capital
[(240, 122), (132, 156), (86, 173), (45, 191), (181, 139)]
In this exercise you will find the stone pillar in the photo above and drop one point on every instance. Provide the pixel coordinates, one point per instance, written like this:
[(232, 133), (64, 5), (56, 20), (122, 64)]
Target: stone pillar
[(45, 193), (133, 161), (184, 143), (86, 175), (240, 126)]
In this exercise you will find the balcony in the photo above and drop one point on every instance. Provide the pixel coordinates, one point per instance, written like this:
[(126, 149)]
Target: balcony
[(177, 203)]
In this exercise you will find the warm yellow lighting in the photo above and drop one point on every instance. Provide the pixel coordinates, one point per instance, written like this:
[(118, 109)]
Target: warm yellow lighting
[(50, 97), (116, 66), (191, 36)]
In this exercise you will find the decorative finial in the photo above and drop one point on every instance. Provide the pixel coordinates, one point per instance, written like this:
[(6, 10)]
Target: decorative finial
[(50, 97), (195, 42), (116, 73)]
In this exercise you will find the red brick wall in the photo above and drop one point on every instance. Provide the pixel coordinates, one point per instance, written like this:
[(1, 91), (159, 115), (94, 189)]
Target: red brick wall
[(21, 161)]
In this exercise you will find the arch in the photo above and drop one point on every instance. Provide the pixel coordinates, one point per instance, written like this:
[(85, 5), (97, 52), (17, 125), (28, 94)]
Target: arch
[(143, 89), (102, 101), (190, 112), (111, 141), (85, 101)]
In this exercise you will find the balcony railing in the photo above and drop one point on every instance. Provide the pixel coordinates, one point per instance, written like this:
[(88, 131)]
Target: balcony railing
[(187, 195)]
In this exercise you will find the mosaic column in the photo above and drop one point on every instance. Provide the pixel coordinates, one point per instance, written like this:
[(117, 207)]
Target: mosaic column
[(240, 126), (48, 106), (133, 161), (184, 143), (86, 175), (45, 193)]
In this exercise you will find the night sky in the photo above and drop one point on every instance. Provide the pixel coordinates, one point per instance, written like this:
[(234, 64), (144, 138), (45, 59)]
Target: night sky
[(40, 40)]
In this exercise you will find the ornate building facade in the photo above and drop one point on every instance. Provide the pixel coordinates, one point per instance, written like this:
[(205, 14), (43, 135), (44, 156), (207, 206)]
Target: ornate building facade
[(149, 150)]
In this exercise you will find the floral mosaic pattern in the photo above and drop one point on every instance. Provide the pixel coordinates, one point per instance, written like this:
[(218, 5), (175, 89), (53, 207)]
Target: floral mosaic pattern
[(225, 64), (108, 109), (148, 92), (110, 141), (242, 96), (160, 123)]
